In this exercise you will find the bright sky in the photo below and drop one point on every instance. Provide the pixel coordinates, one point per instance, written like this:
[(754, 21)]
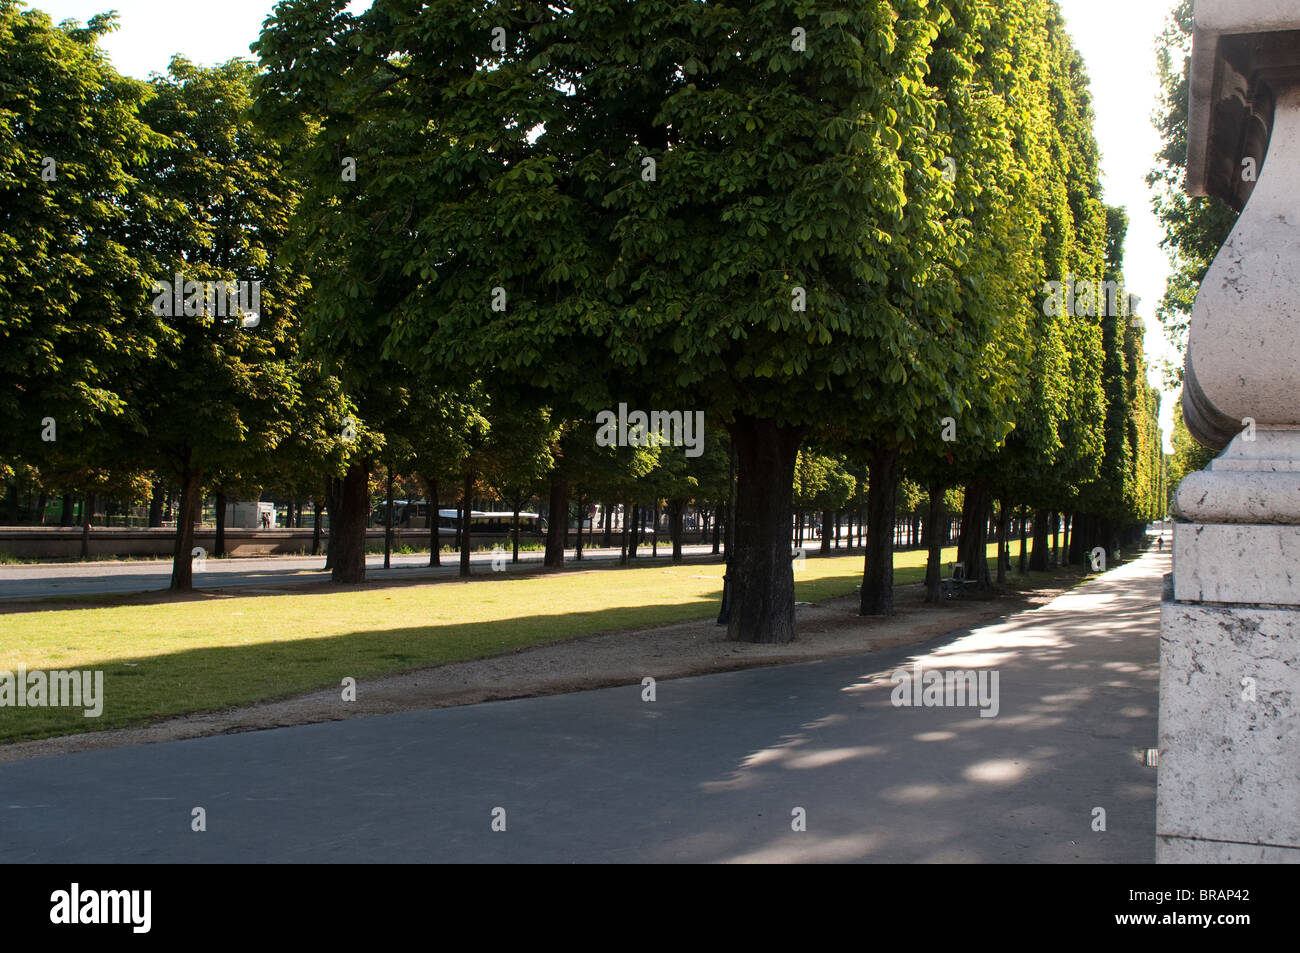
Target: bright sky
[(1116, 37), (1118, 40)]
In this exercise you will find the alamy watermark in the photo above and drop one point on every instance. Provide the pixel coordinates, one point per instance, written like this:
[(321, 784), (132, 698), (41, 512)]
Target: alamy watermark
[(950, 689), (128, 907), (1084, 297), (59, 689), (215, 299), (639, 429)]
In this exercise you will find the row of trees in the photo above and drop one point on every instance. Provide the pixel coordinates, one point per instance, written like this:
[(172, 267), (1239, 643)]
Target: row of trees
[(828, 227)]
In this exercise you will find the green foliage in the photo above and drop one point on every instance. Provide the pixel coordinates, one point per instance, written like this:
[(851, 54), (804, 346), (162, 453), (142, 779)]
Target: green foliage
[(1195, 227), (72, 289), (216, 396), (822, 482), (665, 202), (1188, 456)]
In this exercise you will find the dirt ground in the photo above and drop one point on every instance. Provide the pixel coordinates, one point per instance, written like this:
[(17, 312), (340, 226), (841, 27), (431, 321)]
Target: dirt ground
[(826, 630)]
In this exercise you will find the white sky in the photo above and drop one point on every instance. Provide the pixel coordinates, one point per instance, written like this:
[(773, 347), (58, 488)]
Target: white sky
[(1116, 38)]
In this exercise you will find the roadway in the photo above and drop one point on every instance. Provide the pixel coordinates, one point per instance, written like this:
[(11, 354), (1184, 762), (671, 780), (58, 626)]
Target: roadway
[(119, 577), (717, 768)]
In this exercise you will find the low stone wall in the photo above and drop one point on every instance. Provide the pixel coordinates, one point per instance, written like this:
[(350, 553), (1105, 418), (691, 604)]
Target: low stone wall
[(64, 542)]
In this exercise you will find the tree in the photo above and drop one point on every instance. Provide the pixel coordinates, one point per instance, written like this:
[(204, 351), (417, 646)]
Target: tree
[(365, 156), (520, 170), (518, 473), (511, 443), (213, 396), (74, 322), (973, 313), (1188, 456), (314, 453), (1059, 407), (825, 218), (822, 484)]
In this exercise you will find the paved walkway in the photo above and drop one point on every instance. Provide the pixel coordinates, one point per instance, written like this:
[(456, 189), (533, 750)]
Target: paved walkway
[(712, 770)]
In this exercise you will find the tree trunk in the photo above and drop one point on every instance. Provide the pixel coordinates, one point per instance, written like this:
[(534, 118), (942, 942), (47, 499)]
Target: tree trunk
[(636, 531), (934, 557), (65, 515), (654, 539), (973, 547), (156, 505), (1004, 554), (466, 534), (675, 511), (514, 557), (333, 504), (1078, 539), (87, 517), (1025, 548), (624, 542), (348, 525), (826, 531), (315, 526), (724, 610), (608, 541), (559, 525), (388, 517), (186, 515), (878, 564), (1023, 530), (717, 529), (760, 569), (435, 523), (582, 513), (219, 542), (1038, 556)]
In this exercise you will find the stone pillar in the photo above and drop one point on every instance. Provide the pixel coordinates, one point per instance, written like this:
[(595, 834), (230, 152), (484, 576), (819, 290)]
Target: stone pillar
[(1229, 775)]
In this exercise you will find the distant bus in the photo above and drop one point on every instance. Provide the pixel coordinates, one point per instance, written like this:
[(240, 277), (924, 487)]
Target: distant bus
[(492, 523), (414, 514)]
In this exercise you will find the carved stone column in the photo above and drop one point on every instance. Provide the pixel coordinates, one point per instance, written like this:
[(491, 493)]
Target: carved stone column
[(1229, 780)]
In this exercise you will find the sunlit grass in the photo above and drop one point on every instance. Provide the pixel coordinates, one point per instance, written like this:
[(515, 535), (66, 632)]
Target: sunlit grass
[(219, 651)]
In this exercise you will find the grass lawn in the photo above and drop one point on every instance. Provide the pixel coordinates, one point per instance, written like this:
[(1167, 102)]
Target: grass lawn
[(218, 651)]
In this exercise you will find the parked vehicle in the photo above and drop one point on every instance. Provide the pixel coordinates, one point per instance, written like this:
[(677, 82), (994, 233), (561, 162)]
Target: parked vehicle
[(414, 514)]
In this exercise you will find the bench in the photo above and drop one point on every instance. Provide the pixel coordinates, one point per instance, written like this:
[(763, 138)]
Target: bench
[(957, 580)]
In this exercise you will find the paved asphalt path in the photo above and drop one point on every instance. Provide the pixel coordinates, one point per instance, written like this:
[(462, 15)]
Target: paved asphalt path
[(42, 580), (712, 770)]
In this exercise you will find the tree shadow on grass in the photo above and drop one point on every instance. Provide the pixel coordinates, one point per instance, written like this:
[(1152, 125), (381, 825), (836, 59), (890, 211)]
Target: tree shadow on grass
[(140, 690)]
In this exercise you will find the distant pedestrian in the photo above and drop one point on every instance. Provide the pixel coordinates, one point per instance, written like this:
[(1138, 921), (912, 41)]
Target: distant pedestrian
[(1160, 545)]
